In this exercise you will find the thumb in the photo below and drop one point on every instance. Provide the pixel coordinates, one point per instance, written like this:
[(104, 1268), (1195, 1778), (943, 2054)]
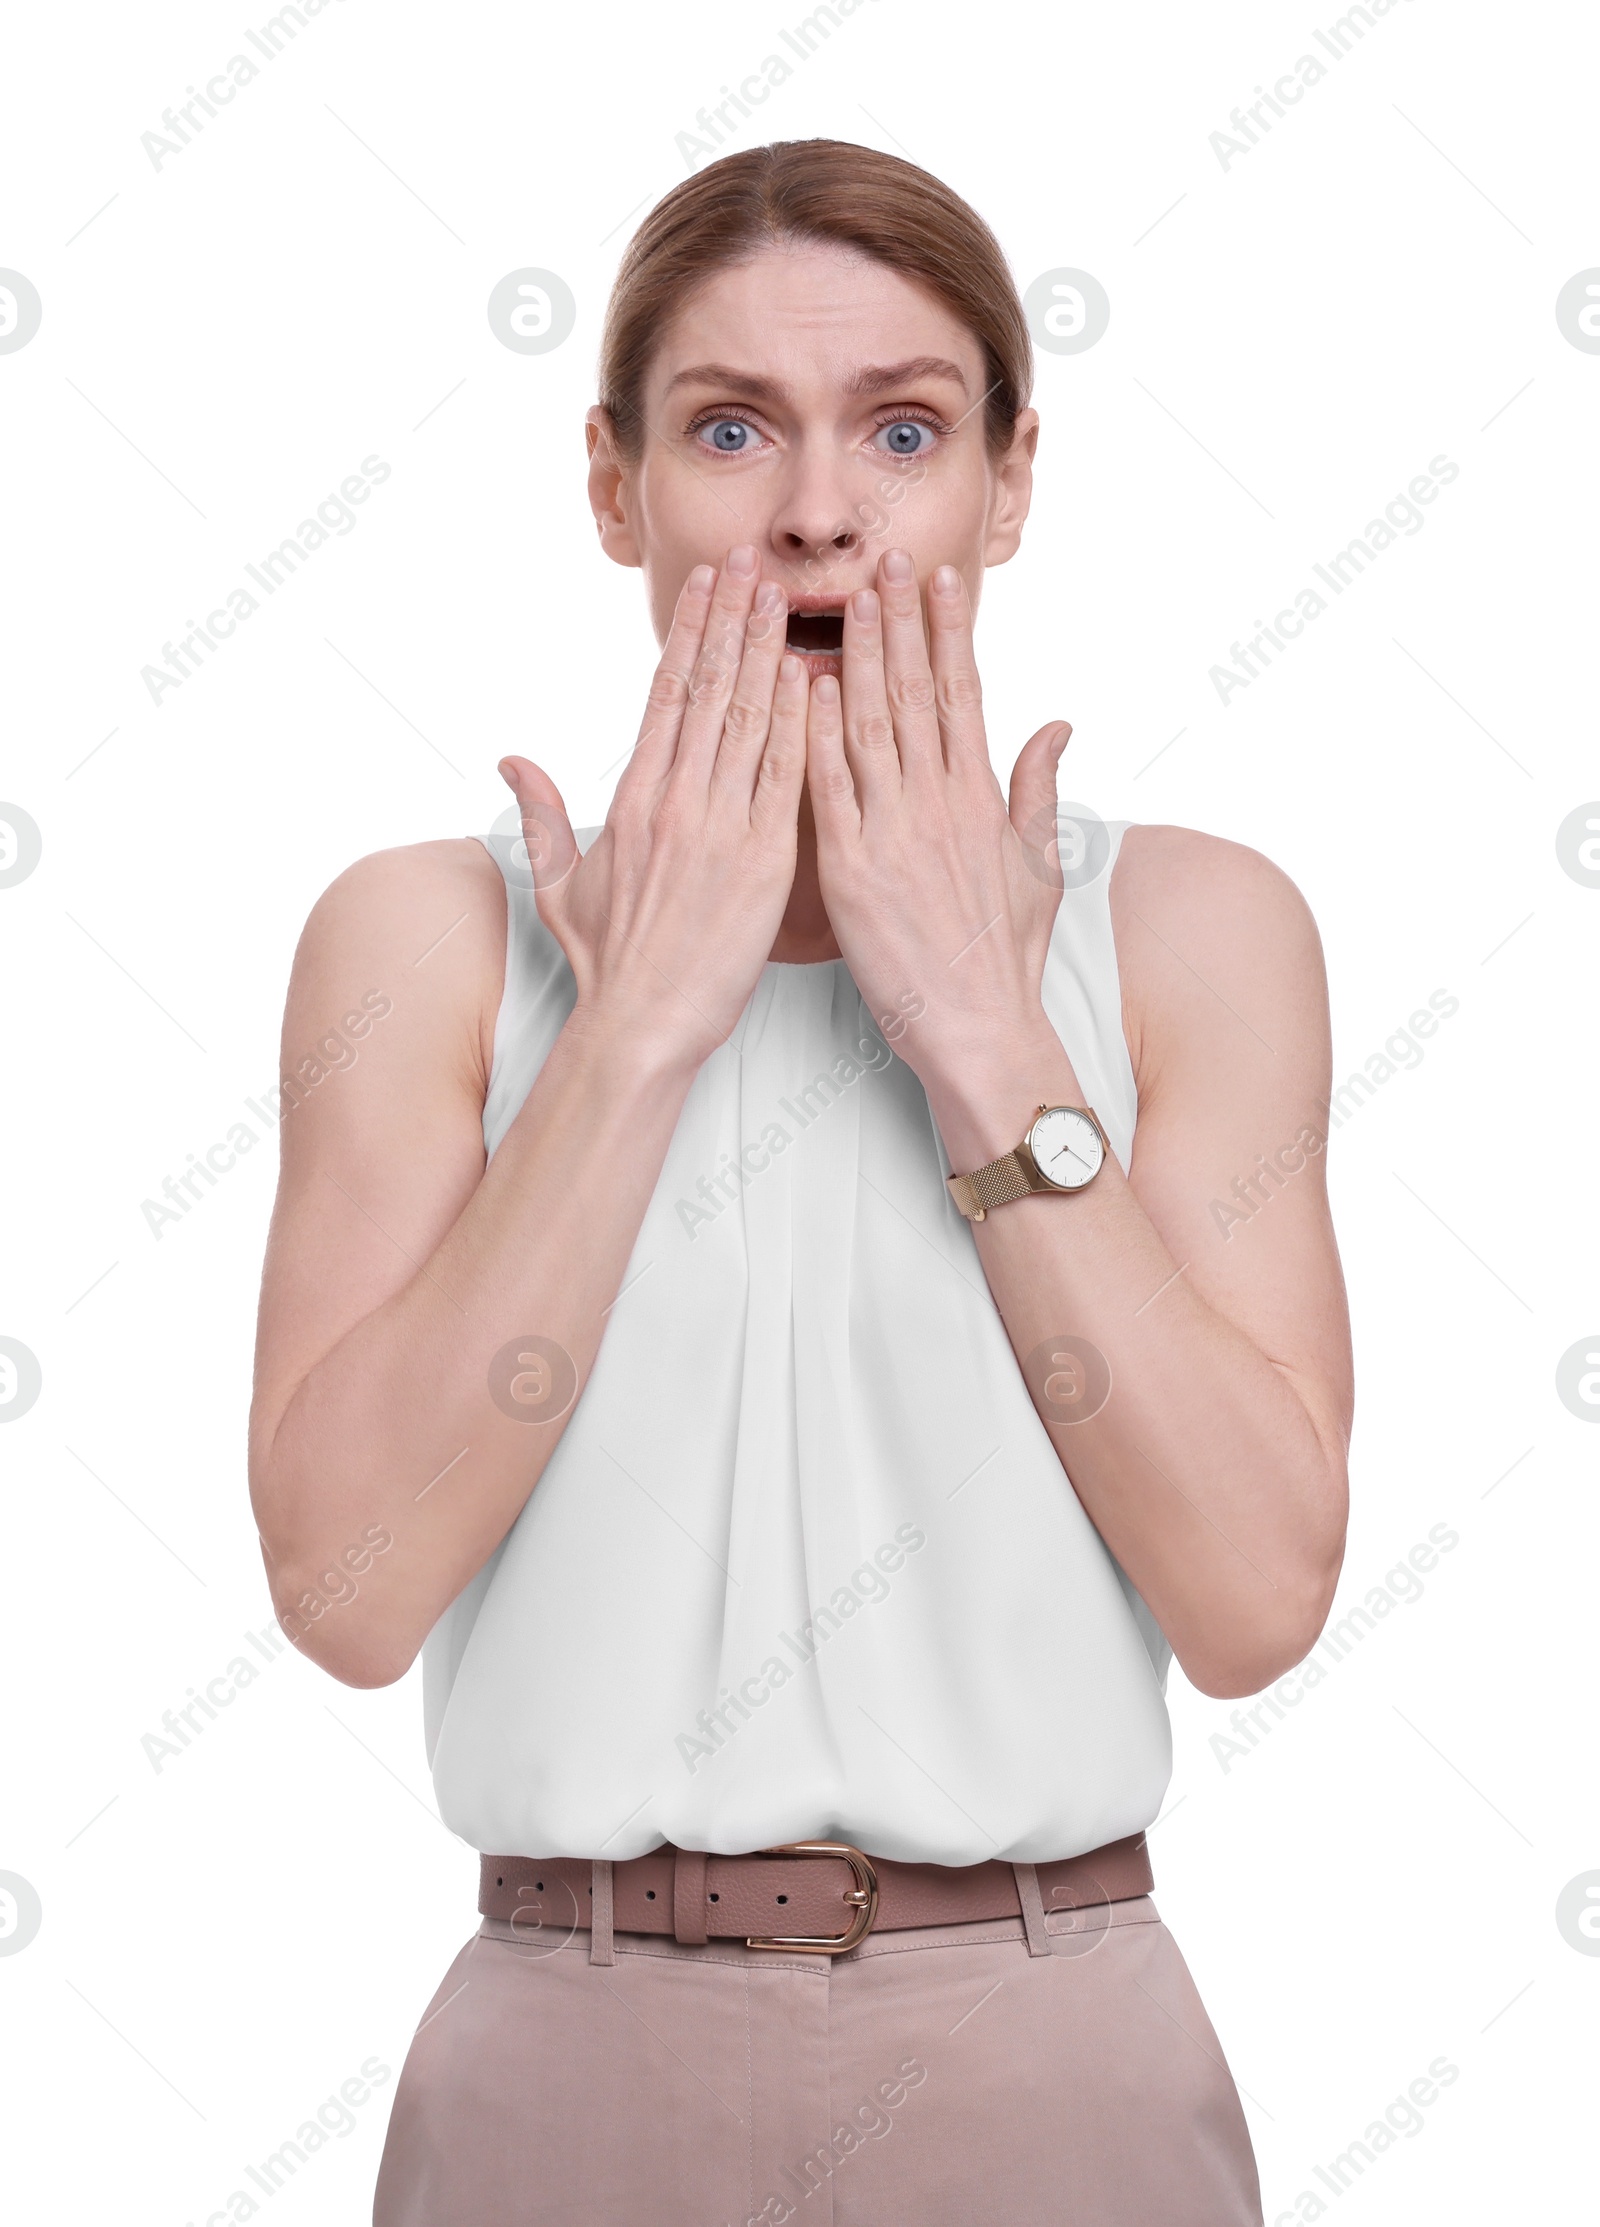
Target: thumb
[(546, 830), (1033, 782)]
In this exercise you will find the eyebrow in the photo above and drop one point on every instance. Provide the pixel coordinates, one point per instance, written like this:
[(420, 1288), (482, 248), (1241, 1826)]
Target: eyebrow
[(871, 378)]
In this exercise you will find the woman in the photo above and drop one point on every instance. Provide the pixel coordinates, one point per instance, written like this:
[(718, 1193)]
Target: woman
[(810, 1423)]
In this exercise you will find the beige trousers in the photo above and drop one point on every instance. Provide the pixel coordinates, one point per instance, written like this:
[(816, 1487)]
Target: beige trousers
[(940, 2078)]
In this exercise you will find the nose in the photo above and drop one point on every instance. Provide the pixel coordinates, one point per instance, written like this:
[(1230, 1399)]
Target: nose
[(813, 517)]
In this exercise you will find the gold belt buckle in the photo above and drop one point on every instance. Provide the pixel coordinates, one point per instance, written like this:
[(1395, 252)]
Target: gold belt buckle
[(864, 1897)]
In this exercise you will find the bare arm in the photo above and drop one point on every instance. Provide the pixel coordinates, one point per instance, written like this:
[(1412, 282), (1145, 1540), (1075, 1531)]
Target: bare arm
[(398, 1267), (403, 1277), (1215, 1470)]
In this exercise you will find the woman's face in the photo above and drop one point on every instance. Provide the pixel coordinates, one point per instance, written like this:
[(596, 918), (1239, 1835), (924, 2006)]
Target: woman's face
[(813, 402)]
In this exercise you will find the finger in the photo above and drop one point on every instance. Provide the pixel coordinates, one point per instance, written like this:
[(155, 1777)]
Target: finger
[(781, 772), (835, 805), (908, 676), (1032, 804), (716, 669), (869, 737), (651, 758), (749, 712), (552, 848), (958, 693)]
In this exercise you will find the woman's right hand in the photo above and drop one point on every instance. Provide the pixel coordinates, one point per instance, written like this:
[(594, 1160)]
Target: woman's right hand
[(669, 917)]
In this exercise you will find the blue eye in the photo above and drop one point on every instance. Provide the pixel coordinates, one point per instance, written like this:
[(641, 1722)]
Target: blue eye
[(729, 435), (905, 437)]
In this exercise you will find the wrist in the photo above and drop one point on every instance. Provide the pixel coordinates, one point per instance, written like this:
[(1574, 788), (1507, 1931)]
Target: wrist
[(986, 1102), (621, 1049)]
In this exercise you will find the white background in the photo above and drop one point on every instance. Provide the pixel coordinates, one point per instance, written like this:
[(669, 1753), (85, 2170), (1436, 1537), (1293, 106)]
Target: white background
[(1292, 339)]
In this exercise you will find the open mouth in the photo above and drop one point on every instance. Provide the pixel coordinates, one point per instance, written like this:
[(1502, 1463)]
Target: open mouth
[(817, 633)]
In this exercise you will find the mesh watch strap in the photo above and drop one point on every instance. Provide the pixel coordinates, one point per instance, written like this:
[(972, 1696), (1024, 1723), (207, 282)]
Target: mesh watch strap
[(1000, 1181)]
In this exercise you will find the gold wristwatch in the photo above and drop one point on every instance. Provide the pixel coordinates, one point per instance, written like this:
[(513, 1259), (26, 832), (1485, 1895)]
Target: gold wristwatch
[(1065, 1149)]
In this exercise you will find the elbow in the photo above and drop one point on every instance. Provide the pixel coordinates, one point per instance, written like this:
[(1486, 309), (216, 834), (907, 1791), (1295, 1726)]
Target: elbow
[(339, 1612), (1253, 1653), (364, 1659), (341, 1636), (1244, 1648), (358, 1665)]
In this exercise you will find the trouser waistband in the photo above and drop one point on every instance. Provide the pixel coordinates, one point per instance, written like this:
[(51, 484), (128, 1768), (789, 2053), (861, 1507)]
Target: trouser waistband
[(819, 1897)]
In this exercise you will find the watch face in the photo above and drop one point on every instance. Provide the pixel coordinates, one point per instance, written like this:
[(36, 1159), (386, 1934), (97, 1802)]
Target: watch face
[(1066, 1147)]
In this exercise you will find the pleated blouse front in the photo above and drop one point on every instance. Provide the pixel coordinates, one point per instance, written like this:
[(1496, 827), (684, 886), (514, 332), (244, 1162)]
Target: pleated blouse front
[(805, 1562)]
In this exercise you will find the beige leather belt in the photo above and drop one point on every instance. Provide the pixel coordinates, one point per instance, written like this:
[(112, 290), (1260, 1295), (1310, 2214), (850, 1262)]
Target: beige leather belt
[(821, 1896)]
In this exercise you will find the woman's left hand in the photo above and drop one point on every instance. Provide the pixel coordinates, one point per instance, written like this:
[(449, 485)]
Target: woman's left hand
[(940, 911)]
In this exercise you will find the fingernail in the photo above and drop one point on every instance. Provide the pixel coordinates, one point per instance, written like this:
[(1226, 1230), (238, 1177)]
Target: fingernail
[(946, 579), (864, 605), (770, 599), (790, 667), (743, 559), (699, 581), (897, 566), (826, 689), (506, 775)]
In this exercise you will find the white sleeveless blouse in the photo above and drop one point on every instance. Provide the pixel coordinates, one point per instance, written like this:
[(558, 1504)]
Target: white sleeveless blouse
[(805, 1563)]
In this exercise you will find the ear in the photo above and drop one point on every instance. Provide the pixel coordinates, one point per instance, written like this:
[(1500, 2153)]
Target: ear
[(608, 491), (1013, 491)]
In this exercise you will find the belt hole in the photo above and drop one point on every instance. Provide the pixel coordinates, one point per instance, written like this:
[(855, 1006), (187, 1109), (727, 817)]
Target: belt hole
[(716, 1898), (649, 1894), (499, 1882), (783, 1898), (538, 1886)]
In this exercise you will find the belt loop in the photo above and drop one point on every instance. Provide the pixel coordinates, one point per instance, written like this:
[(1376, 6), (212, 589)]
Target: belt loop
[(1032, 1909), (600, 1948), (689, 1895)]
